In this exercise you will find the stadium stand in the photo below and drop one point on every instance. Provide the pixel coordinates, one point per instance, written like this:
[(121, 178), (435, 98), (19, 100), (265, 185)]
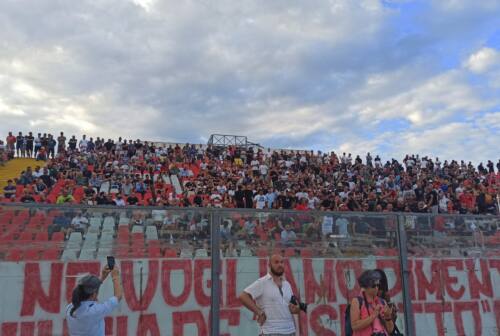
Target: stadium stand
[(134, 173)]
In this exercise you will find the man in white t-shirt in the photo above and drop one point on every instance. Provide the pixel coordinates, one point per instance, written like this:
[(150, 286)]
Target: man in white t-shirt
[(269, 299), (327, 225), (260, 200), (79, 223), (263, 169), (83, 144), (255, 167)]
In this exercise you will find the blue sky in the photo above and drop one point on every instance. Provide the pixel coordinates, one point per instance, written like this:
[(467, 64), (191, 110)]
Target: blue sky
[(387, 76)]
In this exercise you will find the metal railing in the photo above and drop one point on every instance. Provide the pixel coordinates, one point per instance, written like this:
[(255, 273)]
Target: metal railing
[(245, 234)]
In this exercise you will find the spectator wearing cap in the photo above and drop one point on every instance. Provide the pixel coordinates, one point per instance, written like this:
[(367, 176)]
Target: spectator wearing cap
[(370, 314), (85, 315)]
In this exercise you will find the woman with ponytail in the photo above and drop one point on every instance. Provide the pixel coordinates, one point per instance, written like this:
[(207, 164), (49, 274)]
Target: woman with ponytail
[(85, 315)]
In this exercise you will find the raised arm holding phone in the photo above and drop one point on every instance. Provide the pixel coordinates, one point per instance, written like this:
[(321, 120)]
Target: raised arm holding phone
[(85, 315)]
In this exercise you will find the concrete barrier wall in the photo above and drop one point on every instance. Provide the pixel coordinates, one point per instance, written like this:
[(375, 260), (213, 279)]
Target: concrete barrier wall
[(172, 296)]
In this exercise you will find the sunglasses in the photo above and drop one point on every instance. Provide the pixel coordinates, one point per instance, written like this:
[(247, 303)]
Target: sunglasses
[(376, 285)]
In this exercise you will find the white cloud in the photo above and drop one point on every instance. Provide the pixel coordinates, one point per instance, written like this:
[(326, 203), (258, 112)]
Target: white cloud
[(286, 73), (430, 102), (483, 60)]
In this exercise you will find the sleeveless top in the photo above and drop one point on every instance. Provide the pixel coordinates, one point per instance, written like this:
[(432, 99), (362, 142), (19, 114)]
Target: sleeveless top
[(376, 325)]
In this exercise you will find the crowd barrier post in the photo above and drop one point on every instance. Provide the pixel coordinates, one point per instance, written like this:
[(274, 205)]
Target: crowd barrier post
[(215, 222), (405, 276)]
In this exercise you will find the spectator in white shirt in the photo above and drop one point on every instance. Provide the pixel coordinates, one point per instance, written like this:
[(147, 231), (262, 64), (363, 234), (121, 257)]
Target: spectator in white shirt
[(119, 201), (443, 202), (288, 236), (269, 299), (79, 223), (263, 170), (85, 315), (260, 200), (83, 144)]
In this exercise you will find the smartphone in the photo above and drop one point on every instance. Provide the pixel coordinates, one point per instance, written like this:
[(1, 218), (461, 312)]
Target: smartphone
[(111, 262)]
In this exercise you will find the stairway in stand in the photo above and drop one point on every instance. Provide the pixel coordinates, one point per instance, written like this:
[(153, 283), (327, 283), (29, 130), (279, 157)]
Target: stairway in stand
[(13, 169)]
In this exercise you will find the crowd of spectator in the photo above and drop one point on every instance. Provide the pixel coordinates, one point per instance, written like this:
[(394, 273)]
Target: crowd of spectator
[(126, 172)]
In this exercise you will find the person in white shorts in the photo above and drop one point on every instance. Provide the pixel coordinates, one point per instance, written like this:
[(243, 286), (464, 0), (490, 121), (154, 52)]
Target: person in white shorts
[(269, 299)]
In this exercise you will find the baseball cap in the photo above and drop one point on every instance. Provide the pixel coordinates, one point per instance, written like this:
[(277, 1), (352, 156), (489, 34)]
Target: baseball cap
[(90, 284)]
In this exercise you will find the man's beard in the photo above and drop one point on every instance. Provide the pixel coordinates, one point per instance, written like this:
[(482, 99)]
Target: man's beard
[(277, 273)]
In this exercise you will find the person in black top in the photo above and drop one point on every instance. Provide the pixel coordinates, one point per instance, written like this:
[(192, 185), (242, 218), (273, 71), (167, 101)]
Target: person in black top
[(20, 146), (72, 143), (51, 143), (108, 145), (29, 144), (198, 199), (239, 196), (432, 199), (101, 199), (286, 201), (248, 194), (61, 143), (27, 197), (45, 140), (9, 191)]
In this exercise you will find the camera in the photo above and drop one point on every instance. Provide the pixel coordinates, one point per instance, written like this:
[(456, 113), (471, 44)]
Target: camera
[(302, 305)]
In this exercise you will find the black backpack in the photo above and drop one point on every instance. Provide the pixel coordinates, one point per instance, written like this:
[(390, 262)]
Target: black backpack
[(348, 326)]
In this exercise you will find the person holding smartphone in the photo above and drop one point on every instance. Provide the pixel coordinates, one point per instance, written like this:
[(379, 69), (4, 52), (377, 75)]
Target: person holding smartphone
[(85, 315), (370, 314)]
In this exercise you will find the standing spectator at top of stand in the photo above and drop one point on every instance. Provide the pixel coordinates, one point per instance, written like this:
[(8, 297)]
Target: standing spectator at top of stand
[(11, 142), (51, 143), (20, 145), (61, 143), (38, 144), (29, 144), (82, 145)]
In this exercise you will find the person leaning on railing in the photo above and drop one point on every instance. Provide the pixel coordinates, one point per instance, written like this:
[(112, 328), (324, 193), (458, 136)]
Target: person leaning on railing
[(85, 315)]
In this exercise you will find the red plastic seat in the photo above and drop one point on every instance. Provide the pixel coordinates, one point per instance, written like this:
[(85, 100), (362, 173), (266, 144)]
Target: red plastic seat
[(154, 243), (26, 236), (123, 237), (154, 252), (14, 255), (137, 253), (123, 229), (42, 236), (137, 236), (122, 252), (170, 253), (289, 252), (18, 221), (32, 254), (58, 236), (262, 253), (306, 253), (7, 237), (50, 254), (19, 190)]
